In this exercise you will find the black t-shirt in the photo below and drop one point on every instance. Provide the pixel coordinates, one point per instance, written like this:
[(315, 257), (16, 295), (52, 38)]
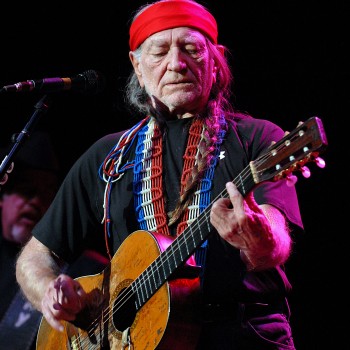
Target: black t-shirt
[(75, 218)]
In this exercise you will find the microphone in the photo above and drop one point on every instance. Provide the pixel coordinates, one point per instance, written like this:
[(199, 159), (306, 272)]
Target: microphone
[(90, 81)]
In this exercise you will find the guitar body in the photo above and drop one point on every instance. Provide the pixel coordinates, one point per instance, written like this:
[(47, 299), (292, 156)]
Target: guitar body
[(107, 325)]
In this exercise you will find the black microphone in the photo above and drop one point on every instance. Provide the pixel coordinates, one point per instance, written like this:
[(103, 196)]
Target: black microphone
[(90, 81)]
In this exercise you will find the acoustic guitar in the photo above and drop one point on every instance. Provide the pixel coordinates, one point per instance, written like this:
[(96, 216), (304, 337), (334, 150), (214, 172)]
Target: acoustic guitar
[(146, 297)]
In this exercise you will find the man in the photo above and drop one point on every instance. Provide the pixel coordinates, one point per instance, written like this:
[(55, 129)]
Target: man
[(160, 176), (24, 198)]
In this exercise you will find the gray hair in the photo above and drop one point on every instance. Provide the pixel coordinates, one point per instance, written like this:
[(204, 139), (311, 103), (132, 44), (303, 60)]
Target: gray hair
[(138, 99)]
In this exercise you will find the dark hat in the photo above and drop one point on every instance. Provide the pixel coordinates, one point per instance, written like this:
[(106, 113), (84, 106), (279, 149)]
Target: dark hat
[(36, 152)]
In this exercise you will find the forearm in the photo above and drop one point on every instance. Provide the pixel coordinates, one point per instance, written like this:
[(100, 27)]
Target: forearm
[(272, 247), (35, 268)]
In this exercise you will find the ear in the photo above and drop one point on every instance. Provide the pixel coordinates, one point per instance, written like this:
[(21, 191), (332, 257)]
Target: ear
[(136, 64)]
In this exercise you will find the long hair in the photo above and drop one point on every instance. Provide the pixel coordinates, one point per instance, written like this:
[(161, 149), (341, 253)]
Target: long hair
[(219, 110)]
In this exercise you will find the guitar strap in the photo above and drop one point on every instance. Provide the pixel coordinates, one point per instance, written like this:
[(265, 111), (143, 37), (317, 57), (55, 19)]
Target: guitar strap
[(19, 325)]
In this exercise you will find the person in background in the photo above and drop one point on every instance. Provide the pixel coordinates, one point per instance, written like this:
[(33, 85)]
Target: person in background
[(172, 175), (24, 198)]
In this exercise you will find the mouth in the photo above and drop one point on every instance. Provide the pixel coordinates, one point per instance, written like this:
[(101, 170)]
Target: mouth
[(183, 85), (179, 82)]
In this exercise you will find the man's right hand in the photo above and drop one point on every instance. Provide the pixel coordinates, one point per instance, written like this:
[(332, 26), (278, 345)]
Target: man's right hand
[(63, 300)]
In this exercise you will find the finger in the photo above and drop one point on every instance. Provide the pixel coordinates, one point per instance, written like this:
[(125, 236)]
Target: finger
[(68, 295), (68, 290), (235, 197), (54, 323), (51, 318), (62, 313)]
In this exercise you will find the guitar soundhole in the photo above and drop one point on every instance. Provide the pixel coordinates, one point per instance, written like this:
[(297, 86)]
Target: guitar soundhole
[(124, 309)]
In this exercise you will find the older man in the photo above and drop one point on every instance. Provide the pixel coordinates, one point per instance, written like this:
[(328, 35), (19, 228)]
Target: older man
[(182, 172)]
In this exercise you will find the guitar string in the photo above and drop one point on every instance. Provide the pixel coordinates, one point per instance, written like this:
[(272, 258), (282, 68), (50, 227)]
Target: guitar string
[(148, 278), (143, 281), (145, 278)]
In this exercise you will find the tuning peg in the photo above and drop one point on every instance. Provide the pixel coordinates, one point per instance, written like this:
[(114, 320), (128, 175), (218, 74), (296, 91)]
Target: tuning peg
[(12, 165), (320, 162), (8, 171), (305, 171), (4, 179), (291, 180)]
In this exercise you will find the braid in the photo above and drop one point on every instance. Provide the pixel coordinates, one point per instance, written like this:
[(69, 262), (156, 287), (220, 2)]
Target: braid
[(213, 127), (213, 124)]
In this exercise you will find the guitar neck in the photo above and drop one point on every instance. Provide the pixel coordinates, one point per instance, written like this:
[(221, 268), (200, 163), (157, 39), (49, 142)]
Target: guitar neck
[(289, 154), (159, 271)]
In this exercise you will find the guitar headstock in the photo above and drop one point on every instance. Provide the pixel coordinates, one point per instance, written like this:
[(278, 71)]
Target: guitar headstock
[(292, 152)]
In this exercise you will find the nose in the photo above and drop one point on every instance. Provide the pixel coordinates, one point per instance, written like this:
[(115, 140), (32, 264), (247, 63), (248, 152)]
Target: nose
[(177, 61)]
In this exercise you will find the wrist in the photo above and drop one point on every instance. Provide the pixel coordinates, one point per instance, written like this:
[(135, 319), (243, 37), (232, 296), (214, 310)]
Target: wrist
[(253, 262)]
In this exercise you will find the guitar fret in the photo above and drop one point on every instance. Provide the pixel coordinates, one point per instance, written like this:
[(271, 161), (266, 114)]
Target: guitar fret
[(142, 287), (208, 223), (158, 280), (200, 228), (158, 264), (135, 292), (192, 235), (145, 288), (179, 249), (192, 232), (240, 185), (175, 263), (188, 241), (163, 264), (149, 285), (152, 282)]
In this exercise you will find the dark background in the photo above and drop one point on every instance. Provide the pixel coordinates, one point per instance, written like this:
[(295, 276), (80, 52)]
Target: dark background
[(290, 63)]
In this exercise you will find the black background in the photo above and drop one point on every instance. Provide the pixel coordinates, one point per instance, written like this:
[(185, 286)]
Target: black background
[(290, 62)]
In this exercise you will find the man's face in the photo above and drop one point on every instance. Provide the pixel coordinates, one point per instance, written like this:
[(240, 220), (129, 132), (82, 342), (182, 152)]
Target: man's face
[(175, 67), (23, 205)]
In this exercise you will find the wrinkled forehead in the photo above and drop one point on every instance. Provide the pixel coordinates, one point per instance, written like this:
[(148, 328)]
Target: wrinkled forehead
[(181, 35), (171, 14)]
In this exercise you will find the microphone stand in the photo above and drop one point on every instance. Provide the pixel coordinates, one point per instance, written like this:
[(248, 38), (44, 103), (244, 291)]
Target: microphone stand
[(7, 164)]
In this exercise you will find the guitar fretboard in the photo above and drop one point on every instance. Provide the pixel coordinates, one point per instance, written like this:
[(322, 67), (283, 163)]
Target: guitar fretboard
[(159, 271)]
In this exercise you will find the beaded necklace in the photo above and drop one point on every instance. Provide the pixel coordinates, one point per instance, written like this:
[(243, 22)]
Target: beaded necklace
[(148, 184), (148, 181)]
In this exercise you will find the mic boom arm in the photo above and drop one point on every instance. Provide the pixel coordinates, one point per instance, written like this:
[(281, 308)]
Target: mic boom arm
[(89, 81), (6, 165)]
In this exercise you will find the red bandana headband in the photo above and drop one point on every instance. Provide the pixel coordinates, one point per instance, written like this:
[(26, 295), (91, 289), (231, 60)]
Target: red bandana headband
[(170, 14)]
